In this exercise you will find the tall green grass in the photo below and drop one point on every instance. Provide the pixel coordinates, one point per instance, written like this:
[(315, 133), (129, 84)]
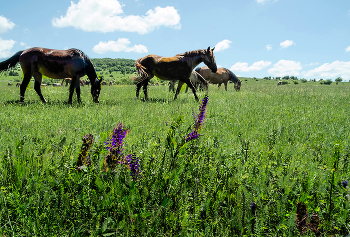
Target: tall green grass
[(267, 145)]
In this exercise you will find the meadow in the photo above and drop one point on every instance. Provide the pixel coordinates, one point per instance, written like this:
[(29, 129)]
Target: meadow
[(271, 161)]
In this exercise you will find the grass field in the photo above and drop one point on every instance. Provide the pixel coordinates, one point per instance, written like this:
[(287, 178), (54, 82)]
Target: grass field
[(268, 155)]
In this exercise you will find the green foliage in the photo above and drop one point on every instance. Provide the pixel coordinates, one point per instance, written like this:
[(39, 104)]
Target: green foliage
[(274, 147)]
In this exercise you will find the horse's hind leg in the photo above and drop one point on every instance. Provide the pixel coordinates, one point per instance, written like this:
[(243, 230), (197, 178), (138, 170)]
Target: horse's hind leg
[(23, 86), (138, 87), (37, 85), (145, 84), (225, 83)]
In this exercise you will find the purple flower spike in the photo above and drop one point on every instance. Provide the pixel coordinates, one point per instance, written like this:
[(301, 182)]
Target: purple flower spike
[(134, 165), (345, 183), (199, 120)]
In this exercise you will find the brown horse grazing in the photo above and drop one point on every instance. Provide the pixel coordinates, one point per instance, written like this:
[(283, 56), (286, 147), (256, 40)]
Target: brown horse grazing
[(178, 67), (222, 75), (56, 64)]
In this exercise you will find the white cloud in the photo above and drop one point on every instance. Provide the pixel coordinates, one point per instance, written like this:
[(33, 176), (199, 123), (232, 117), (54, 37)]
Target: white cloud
[(106, 16), (121, 45), (243, 67), (347, 49), (24, 45), (268, 47), (5, 47), (5, 24), (225, 44), (262, 1), (285, 68), (330, 71), (287, 43)]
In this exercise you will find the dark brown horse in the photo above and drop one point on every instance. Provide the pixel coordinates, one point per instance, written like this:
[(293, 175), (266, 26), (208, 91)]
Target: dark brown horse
[(178, 67), (56, 64), (222, 75)]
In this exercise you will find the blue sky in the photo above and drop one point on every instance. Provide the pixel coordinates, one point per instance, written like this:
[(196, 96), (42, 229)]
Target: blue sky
[(253, 38)]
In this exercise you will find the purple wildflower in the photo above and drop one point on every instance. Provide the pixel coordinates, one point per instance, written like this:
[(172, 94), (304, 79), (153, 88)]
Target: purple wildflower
[(345, 183), (116, 143), (199, 120), (134, 166), (115, 147)]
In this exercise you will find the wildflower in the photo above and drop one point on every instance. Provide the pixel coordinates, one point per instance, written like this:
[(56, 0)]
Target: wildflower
[(134, 166), (253, 207), (115, 147), (345, 183), (84, 158), (199, 120)]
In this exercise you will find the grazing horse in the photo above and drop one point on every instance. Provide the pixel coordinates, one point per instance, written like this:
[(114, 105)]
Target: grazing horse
[(56, 64), (178, 67), (222, 75)]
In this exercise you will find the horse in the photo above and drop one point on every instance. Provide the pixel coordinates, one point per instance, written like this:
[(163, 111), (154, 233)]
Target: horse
[(195, 79), (178, 67), (9, 84), (56, 64), (222, 75)]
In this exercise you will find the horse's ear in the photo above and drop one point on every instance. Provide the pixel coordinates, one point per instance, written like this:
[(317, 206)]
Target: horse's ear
[(208, 49), (212, 49)]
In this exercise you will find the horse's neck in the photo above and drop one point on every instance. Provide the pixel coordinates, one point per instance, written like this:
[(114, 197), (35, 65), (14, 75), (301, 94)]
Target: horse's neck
[(196, 61)]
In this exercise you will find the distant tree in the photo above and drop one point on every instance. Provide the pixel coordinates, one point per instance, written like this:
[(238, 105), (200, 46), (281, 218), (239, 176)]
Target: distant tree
[(278, 78), (339, 79), (285, 77), (327, 82), (303, 80)]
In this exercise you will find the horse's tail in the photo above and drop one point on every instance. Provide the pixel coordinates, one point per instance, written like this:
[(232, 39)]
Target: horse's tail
[(201, 79), (11, 62), (141, 70), (198, 69)]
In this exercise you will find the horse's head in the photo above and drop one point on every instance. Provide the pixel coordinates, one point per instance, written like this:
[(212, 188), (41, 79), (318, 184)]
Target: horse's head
[(96, 89), (237, 85), (209, 59)]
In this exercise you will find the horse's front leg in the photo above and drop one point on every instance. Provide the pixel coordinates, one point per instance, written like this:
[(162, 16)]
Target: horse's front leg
[(225, 83), (193, 90), (77, 89), (37, 86), (71, 90)]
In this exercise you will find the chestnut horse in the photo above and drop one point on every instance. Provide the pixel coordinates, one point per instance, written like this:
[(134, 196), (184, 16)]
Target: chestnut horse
[(222, 75), (178, 67), (56, 64)]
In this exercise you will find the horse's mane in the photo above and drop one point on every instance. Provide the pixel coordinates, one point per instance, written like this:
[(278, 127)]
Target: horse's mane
[(233, 77), (193, 53), (89, 67)]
